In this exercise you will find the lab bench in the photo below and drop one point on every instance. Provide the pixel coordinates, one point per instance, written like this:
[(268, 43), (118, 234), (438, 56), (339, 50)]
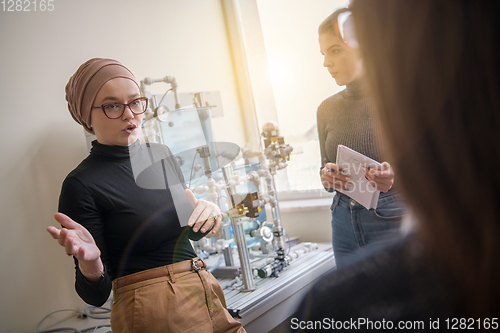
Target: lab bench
[(276, 298)]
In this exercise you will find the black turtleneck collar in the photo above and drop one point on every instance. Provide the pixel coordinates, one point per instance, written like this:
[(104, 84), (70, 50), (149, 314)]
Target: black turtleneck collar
[(356, 89), (115, 152)]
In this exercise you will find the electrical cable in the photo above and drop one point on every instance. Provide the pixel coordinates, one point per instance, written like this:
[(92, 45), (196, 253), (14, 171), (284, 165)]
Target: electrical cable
[(192, 167), (164, 96), (289, 242), (196, 182), (90, 311), (95, 328), (62, 329), (50, 314), (97, 313), (74, 330), (236, 285)]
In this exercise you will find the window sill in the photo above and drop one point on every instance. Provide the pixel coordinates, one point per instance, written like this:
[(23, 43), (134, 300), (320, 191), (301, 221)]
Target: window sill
[(305, 205)]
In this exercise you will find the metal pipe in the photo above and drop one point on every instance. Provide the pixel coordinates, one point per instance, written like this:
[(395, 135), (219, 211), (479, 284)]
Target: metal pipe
[(246, 268), (228, 256), (278, 227)]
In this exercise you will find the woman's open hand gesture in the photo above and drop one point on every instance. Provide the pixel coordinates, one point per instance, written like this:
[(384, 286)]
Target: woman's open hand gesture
[(76, 240)]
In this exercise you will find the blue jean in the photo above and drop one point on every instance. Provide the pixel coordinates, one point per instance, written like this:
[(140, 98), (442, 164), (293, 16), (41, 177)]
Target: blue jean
[(354, 227)]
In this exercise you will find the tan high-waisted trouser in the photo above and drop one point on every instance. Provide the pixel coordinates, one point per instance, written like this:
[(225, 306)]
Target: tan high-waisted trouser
[(173, 298)]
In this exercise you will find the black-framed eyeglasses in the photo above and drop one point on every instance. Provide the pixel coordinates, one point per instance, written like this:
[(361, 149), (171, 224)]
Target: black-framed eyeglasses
[(345, 25), (115, 110)]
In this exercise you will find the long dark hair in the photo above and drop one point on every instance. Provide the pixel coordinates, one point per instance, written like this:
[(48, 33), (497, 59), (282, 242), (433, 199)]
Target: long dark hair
[(434, 69), (329, 25)]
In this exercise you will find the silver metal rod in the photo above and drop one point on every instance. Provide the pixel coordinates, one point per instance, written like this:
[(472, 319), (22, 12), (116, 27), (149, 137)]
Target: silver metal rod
[(246, 268), (228, 256), (278, 227)]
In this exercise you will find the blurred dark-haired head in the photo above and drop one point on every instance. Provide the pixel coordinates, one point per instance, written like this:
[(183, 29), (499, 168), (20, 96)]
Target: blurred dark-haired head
[(434, 70)]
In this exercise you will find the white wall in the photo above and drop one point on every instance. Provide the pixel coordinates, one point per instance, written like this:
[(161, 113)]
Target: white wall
[(41, 143)]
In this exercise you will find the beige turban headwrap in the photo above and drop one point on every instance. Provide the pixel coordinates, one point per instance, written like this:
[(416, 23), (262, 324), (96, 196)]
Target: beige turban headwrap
[(83, 86)]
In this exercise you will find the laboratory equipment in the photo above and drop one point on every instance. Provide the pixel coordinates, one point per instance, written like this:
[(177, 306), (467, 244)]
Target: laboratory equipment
[(249, 247)]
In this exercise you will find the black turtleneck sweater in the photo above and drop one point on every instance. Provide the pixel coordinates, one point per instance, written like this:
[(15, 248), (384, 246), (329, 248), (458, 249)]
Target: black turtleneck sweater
[(347, 118), (135, 228)]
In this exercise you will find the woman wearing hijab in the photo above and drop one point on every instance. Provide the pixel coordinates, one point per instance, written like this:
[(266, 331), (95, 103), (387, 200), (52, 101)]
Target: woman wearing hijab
[(128, 238)]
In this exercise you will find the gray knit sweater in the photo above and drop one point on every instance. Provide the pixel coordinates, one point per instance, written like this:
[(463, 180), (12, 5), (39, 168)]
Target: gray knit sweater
[(347, 118)]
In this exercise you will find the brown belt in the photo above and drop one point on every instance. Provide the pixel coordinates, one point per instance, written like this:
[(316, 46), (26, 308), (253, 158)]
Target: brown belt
[(194, 264)]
